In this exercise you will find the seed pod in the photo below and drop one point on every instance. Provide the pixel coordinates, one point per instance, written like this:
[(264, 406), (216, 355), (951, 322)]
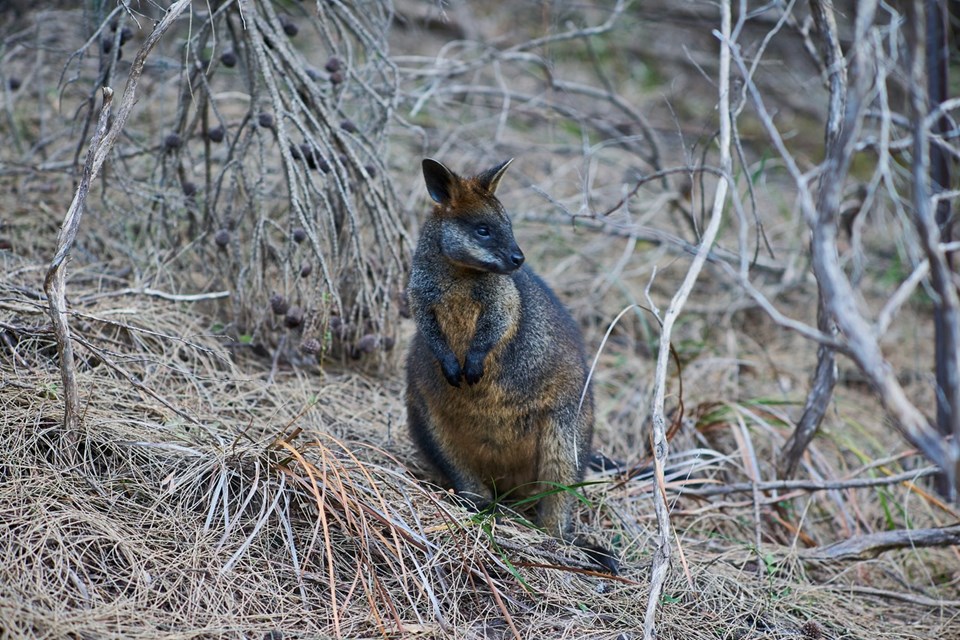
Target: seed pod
[(309, 154), (333, 65), (106, 45), (290, 28), (348, 126), (368, 343), (228, 59), (299, 235), (372, 170), (313, 74), (311, 346), (216, 134), (306, 269), (278, 304), (265, 120), (388, 343), (14, 83), (336, 78), (812, 630), (189, 189), (172, 142), (114, 24), (222, 238), (339, 328), (125, 34), (294, 317), (323, 165)]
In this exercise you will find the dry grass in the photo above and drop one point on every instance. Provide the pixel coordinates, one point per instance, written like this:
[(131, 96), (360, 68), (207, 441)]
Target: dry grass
[(213, 502), (231, 487)]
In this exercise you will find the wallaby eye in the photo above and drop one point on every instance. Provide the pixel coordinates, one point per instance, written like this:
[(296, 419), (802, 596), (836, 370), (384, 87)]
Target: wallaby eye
[(483, 231)]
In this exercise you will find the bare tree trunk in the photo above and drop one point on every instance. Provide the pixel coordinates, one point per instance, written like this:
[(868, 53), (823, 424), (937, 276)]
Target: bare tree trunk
[(925, 57), (948, 380), (825, 377)]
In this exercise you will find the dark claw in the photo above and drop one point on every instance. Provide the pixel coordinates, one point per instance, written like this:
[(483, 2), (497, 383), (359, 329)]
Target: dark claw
[(473, 368), (451, 370), (598, 554)]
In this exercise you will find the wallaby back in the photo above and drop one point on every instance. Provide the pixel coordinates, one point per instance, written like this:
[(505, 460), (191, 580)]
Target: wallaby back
[(523, 422)]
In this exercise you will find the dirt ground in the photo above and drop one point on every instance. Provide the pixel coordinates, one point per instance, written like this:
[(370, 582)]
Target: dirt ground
[(229, 484)]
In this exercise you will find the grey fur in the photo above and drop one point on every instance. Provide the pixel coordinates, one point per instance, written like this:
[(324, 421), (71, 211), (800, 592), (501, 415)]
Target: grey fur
[(485, 318)]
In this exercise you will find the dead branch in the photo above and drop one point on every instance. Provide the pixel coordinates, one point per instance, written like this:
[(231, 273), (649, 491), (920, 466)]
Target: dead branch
[(873, 544), (912, 598), (661, 554), (931, 226), (54, 285), (55, 280), (163, 295), (808, 485), (129, 92), (825, 375)]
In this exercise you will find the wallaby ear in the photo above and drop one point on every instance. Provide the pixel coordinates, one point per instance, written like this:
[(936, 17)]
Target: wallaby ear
[(490, 179), (439, 180)]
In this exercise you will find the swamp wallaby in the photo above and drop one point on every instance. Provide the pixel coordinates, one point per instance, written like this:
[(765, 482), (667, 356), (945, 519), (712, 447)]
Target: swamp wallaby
[(497, 394)]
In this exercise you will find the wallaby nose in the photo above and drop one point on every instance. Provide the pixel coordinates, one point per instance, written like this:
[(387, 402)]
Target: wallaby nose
[(517, 258)]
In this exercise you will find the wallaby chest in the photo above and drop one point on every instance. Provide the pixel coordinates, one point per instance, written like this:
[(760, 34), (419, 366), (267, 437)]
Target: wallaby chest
[(465, 302), (457, 312)]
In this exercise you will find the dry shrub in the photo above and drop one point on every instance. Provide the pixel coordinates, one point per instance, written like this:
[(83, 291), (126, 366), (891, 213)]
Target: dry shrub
[(253, 161)]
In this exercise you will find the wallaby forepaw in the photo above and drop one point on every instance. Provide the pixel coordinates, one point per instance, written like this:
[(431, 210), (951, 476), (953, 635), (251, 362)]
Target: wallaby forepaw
[(598, 553), (450, 367), (473, 368)]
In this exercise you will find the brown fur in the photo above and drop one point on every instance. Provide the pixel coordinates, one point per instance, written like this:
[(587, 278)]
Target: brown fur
[(497, 370)]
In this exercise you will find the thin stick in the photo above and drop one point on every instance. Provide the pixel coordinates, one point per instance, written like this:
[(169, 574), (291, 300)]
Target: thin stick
[(923, 601), (825, 376), (55, 281), (54, 285), (838, 294), (809, 485), (661, 555), (163, 295)]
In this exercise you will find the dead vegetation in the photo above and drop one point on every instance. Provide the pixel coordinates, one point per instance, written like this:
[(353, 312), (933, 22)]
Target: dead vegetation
[(225, 482)]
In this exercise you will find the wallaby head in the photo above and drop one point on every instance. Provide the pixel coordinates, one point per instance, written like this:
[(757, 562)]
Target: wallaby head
[(474, 230)]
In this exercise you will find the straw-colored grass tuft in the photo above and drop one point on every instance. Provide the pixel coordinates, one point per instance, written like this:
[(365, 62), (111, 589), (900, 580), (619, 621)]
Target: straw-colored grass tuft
[(213, 503)]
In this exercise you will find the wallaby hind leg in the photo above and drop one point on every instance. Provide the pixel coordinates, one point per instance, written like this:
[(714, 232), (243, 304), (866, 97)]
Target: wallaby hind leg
[(424, 433), (561, 465)]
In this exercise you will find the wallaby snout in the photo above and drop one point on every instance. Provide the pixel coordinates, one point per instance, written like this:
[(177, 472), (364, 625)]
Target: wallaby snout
[(516, 258)]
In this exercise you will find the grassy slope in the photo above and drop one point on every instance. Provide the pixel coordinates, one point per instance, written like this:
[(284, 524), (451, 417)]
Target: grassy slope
[(241, 496)]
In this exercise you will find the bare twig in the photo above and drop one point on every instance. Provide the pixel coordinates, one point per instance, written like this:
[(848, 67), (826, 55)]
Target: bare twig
[(661, 554), (912, 598), (838, 293), (129, 92), (931, 226), (873, 544), (163, 295), (55, 285), (808, 485), (55, 282)]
